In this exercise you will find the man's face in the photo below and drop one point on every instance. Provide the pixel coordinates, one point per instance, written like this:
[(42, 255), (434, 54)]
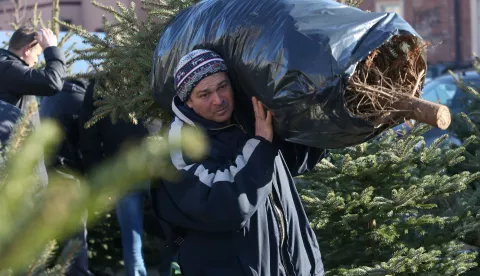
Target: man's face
[(212, 98), (31, 54)]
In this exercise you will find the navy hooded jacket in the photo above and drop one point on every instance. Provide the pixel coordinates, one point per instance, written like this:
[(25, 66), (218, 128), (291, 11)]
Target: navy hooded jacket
[(239, 206)]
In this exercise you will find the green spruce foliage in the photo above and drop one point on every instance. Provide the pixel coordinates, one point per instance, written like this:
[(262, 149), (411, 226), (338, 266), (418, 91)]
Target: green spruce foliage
[(383, 208), (122, 60)]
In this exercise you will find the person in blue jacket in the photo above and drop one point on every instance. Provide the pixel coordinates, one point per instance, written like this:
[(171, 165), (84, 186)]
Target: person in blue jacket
[(238, 208)]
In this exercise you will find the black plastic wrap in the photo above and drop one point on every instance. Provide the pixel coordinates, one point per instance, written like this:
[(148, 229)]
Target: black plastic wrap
[(294, 55)]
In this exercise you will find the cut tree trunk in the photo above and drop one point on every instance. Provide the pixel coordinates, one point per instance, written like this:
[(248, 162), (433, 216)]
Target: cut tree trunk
[(423, 111)]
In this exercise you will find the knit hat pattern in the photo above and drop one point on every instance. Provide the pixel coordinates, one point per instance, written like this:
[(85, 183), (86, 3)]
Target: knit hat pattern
[(193, 68)]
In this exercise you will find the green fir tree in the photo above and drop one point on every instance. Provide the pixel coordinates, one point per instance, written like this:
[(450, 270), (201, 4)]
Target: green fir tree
[(383, 208), (122, 60)]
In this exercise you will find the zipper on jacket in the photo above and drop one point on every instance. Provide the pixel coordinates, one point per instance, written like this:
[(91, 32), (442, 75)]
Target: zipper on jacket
[(231, 125), (283, 232)]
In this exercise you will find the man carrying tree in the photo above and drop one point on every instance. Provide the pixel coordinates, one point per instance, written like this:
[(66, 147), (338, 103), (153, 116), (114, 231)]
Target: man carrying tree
[(238, 207), (20, 83)]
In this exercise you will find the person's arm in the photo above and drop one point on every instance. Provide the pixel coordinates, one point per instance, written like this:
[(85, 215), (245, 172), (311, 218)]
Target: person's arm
[(45, 82)]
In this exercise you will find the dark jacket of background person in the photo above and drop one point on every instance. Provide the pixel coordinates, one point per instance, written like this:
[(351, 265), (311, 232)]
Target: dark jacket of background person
[(65, 107), (103, 139)]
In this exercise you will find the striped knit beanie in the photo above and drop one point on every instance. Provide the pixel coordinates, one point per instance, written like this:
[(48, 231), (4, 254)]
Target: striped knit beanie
[(194, 67)]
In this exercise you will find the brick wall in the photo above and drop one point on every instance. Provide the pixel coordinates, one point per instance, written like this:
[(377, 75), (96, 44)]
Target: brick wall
[(435, 22)]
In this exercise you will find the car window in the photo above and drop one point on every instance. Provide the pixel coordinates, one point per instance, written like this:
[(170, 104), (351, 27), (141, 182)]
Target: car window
[(441, 92)]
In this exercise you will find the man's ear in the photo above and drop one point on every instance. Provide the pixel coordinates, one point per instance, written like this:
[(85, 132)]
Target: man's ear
[(189, 103), (26, 51)]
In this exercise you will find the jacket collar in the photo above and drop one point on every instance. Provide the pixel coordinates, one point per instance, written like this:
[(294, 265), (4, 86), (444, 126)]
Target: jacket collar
[(11, 55)]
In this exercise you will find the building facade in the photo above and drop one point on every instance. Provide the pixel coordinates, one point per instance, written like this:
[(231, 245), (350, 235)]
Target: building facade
[(78, 12), (451, 26)]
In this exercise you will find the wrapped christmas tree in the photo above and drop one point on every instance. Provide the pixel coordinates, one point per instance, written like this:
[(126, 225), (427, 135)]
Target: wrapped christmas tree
[(333, 75)]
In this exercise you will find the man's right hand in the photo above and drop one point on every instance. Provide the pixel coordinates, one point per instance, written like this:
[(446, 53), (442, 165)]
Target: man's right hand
[(263, 124), (46, 38)]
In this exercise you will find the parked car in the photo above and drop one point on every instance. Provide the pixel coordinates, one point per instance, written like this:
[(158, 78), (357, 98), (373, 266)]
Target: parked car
[(444, 90)]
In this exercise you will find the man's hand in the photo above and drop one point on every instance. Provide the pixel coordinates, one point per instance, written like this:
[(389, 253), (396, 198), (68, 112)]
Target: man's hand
[(46, 38), (263, 124)]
